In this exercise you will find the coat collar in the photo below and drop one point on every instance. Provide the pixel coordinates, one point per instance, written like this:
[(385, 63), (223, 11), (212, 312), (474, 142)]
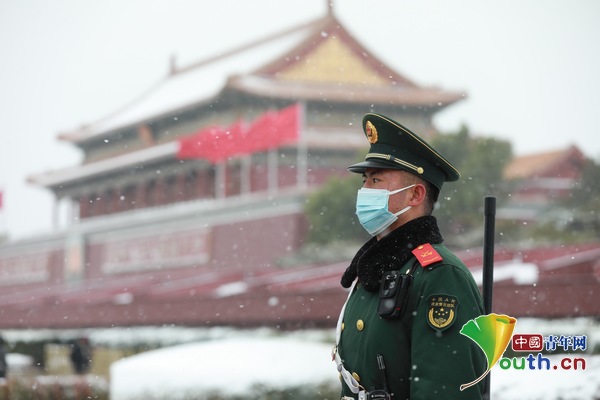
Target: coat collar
[(391, 252)]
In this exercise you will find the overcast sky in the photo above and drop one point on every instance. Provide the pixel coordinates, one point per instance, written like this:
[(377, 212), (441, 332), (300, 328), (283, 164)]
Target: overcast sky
[(531, 68)]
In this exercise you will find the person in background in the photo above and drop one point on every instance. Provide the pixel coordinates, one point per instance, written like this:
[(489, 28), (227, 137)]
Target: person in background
[(81, 356), (398, 335)]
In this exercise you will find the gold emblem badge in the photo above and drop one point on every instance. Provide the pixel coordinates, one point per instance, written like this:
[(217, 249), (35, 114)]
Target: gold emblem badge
[(371, 132), (442, 310)]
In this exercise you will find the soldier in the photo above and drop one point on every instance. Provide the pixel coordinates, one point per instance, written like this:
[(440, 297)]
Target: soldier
[(398, 334)]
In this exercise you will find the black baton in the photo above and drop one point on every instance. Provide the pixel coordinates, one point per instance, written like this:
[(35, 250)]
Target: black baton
[(489, 226)]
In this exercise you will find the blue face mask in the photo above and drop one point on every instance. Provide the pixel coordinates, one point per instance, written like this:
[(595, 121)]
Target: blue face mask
[(372, 209)]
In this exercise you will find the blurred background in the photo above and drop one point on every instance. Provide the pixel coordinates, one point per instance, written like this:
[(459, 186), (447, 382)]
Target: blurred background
[(174, 173)]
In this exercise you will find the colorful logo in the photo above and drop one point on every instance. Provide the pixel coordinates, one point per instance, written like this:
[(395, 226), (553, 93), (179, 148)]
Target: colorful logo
[(492, 333)]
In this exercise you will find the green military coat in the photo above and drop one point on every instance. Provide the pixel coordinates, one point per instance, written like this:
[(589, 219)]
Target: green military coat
[(425, 355)]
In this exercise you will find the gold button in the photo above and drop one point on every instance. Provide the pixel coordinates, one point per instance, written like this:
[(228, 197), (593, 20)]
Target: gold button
[(360, 325), (343, 325), (420, 170), (356, 376)]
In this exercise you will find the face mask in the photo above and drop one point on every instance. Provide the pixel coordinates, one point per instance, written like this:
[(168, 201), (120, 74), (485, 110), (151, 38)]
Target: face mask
[(372, 209)]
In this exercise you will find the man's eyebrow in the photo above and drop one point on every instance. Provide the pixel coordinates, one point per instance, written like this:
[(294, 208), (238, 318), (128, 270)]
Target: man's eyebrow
[(372, 173)]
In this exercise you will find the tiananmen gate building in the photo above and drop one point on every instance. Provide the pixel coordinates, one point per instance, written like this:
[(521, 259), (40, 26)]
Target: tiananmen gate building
[(186, 198)]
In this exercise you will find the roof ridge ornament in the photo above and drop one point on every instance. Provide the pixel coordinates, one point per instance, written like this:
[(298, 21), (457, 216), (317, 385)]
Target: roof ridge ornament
[(330, 7)]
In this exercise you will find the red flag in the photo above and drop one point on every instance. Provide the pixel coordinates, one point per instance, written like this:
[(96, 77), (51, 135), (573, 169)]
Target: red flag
[(262, 133), (235, 139), (221, 145), (228, 142), (214, 143), (288, 125), (189, 146), (274, 129), (203, 144), (270, 130)]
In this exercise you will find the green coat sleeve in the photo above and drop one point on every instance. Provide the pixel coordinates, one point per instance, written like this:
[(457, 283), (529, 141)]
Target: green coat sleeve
[(442, 358)]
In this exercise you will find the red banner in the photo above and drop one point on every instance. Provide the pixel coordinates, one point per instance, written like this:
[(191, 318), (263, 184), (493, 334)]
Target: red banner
[(270, 130)]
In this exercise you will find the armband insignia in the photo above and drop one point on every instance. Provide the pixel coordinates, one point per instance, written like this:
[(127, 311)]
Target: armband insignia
[(441, 311)]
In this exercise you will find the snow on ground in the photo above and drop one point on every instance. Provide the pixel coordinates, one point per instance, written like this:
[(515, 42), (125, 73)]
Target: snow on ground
[(233, 361), (230, 366), (233, 366), (16, 361)]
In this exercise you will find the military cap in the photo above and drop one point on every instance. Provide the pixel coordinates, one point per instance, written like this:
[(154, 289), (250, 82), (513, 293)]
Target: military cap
[(394, 146)]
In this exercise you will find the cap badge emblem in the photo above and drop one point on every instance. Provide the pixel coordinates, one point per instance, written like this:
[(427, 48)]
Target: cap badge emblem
[(371, 132)]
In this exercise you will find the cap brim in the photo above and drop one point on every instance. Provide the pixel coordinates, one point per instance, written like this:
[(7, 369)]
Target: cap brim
[(361, 167)]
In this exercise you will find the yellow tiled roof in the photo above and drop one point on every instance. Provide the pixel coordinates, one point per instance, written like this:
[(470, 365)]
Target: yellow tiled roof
[(535, 164)]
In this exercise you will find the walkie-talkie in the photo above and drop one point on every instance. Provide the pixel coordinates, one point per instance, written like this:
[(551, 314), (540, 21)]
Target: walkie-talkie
[(380, 394)]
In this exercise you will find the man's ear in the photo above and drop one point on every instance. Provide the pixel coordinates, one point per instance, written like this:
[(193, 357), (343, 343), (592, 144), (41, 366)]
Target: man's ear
[(418, 195)]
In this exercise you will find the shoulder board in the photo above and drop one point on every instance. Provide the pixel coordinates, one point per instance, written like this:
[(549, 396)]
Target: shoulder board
[(426, 255)]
